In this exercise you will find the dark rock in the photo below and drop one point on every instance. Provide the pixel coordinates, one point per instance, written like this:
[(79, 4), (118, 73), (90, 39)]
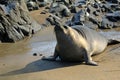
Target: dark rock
[(93, 20), (106, 8), (47, 7), (34, 54), (91, 25), (41, 54), (59, 9), (50, 20), (114, 17), (43, 13), (96, 13), (32, 5), (113, 1), (73, 9), (4, 2), (79, 17), (106, 24)]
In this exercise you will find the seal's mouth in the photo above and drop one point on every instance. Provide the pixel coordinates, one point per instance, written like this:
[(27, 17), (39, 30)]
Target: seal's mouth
[(58, 28)]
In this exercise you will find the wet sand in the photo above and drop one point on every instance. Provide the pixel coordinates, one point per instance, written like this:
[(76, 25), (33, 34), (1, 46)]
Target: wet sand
[(18, 63)]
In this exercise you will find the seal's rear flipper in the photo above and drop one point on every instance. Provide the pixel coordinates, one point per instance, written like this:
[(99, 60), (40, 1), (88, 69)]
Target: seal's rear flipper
[(111, 42), (112, 36)]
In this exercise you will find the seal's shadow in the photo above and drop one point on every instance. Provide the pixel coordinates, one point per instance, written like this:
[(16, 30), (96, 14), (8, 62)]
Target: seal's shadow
[(41, 65)]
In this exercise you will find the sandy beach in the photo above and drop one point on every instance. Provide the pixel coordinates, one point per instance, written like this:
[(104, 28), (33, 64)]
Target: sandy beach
[(18, 63)]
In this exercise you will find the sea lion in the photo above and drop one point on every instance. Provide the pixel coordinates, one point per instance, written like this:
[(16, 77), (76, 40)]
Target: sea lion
[(77, 43)]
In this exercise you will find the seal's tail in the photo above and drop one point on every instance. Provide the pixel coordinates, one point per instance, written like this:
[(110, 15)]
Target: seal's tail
[(112, 36)]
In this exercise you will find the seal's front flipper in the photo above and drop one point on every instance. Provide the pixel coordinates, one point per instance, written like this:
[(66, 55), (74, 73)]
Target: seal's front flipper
[(91, 63), (88, 59), (50, 58)]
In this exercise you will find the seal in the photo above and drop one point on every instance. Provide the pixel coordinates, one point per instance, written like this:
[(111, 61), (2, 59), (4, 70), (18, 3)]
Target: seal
[(77, 43)]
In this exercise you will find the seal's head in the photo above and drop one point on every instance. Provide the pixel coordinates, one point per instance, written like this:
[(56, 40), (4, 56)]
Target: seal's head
[(60, 28), (61, 32), (65, 35)]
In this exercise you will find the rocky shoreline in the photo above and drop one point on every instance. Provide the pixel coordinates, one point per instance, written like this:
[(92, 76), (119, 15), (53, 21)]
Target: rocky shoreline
[(16, 23), (96, 14)]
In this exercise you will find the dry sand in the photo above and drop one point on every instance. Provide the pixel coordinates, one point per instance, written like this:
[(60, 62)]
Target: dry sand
[(18, 63)]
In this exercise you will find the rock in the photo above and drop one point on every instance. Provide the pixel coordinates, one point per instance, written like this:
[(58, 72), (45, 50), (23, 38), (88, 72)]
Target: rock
[(16, 23), (94, 21), (15, 15), (34, 54), (81, 3), (32, 5), (113, 1), (25, 16), (106, 24), (59, 9), (114, 17), (44, 12), (91, 25), (13, 34), (2, 32), (96, 13), (99, 13), (4, 2), (41, 55)]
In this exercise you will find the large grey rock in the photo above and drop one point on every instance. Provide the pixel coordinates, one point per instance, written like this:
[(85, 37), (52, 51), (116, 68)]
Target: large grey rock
[(79, 17), (16, 23), (115, 16), (59, 9)]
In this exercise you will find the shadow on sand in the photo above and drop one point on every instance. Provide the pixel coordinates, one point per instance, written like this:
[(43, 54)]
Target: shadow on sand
[(40, 65)]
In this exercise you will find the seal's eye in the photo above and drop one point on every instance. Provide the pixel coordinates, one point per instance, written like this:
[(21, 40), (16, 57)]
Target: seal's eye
[(65, 27)]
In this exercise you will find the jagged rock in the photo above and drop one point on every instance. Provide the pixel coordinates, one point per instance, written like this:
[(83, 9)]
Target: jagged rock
[(113, 1), (25, 16), (114, 17), (15, 22), (94, 21), (79, 17), (2, 32), (68, 3), (81, 3), (16, 16), (106, 24), (59, 9), (14, 34)]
